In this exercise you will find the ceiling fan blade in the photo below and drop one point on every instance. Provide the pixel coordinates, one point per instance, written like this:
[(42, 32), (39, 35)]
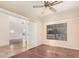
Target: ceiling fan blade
[(55, 2), (38, 6), (52, 9), (45, 2)]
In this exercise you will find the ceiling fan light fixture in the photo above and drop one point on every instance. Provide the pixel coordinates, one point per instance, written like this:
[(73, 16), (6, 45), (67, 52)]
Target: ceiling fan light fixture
[(48, 4)]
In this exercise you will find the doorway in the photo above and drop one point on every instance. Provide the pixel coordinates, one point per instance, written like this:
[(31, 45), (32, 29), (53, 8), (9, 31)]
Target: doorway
[(17, 32), (23, 33)]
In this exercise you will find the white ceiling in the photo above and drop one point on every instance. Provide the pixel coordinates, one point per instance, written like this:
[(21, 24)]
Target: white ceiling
[(27, 5)]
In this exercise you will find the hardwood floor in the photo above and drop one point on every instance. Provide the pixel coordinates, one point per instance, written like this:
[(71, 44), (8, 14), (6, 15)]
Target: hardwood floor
[(45, 51), (11, 50)]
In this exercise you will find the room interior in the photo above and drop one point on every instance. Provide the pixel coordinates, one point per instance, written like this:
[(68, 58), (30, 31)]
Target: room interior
[(39, 29)]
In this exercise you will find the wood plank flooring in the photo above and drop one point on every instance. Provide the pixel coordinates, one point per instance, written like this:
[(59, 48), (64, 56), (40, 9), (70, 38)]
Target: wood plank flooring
[(11, 50), (45, 51)]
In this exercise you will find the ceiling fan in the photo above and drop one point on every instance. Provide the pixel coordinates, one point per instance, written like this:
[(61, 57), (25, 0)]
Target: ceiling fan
[(48, 4)]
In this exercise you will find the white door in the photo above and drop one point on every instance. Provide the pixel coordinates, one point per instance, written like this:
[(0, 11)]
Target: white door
[(32, 35)]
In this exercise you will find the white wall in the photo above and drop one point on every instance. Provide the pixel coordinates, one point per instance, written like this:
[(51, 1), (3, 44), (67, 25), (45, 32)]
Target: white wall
[(70, 17), (4, 29), (39, 29)]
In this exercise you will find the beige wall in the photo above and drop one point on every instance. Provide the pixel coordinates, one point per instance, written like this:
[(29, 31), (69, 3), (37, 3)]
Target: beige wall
[(39, 30), (4, 29), (70, 17)]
